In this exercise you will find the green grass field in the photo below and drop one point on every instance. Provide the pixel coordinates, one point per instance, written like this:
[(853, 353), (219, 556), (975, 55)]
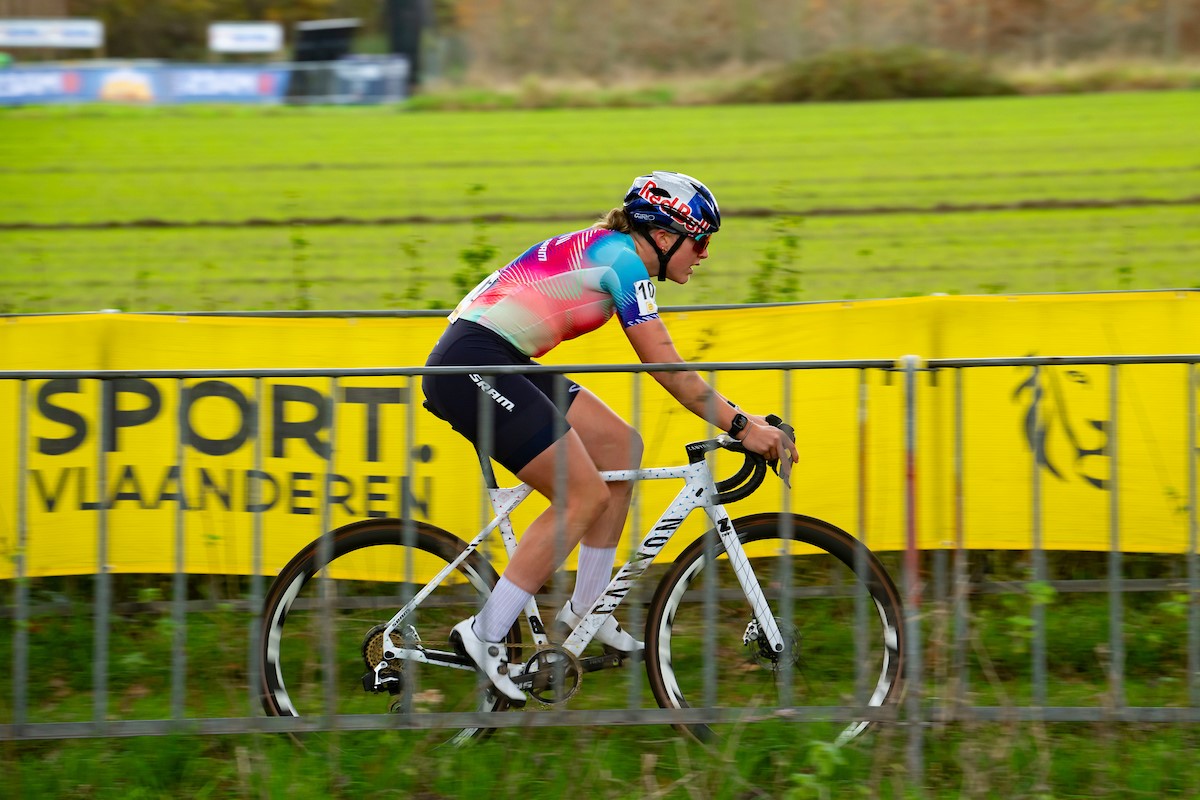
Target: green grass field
[(207, 209), (765, 760)]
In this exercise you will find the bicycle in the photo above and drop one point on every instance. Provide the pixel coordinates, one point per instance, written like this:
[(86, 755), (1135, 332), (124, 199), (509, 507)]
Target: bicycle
[(764, 637)]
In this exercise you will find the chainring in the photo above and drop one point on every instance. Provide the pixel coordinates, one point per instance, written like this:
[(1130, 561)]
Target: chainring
[(555, 674)]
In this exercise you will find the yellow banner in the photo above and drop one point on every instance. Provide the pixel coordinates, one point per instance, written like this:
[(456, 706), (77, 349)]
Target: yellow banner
[(347, 447)]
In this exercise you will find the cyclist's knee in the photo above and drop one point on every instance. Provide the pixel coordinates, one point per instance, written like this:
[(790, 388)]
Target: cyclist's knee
[(591, 500), (636, 448), (620, 449)]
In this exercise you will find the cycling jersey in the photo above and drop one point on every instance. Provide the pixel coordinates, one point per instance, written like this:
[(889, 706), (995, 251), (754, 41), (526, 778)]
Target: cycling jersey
[(563, 288)]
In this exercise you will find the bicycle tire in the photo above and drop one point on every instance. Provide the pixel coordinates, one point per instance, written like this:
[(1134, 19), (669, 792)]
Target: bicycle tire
[(819, 635), (368, 562)]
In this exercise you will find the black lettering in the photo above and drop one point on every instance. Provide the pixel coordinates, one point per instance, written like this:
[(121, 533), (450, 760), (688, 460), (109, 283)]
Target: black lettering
[(86, 505), (208, 486), (255, 480), (296, 492), (372, 398), (50, 500), (656, 542), (304, 429), (171, 488), (375, 513), (65, 416), (129, 479), (129, 418), (619, 591), (218, 447), (409, 500), (338, 498)]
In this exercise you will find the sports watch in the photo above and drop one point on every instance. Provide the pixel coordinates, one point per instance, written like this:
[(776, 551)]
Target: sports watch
[(738, 425)]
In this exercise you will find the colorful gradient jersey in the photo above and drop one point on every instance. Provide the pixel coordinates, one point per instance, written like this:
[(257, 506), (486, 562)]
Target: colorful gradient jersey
[(563, 288)]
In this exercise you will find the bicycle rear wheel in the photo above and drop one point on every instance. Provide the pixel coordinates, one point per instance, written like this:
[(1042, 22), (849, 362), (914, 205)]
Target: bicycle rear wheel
[(373, 570), (699, 613)]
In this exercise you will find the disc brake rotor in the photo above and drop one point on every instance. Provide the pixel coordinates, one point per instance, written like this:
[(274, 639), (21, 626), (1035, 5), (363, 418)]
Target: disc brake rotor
[(755, 640)]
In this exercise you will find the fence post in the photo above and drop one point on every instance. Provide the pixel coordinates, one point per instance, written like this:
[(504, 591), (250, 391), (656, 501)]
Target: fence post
[(912, 579), (103, 588), (179, 580), (1038, 650), (21, 590), (862, 596), (1116, 611), (1193, 555), (254, 496), (961, 585)]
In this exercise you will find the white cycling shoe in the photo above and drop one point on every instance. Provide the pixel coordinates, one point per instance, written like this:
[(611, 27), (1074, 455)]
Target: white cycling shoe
[(610, 634), (489, 658)]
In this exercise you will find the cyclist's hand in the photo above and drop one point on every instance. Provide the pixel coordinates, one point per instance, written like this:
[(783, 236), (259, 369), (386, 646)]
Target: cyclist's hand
[(771, 443)]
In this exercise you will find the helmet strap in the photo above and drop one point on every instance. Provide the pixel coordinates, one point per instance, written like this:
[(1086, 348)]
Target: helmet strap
[(663, 258)]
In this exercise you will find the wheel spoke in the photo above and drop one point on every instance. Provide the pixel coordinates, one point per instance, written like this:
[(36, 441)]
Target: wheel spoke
[(819, 665), (361, 589)]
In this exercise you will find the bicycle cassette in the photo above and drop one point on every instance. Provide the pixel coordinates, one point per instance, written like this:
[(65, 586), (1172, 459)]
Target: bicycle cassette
[(381, 676)]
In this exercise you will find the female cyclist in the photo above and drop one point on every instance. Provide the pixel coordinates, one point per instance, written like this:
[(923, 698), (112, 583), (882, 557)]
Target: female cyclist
[(559, 289)]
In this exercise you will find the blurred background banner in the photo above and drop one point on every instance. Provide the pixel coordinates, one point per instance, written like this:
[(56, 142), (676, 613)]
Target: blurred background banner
[(245, 37), (364, 80), (66, 34), (850, 426), (134, 83)]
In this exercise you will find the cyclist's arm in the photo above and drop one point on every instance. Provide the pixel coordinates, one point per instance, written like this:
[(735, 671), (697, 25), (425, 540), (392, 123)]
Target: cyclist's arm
[(653, 345)]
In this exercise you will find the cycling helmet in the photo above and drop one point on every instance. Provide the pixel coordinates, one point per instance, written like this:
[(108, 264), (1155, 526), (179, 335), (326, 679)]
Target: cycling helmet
[(675, 202)]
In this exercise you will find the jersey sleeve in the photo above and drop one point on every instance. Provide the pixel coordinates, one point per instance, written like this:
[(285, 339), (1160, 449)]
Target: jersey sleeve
[(632, 290)]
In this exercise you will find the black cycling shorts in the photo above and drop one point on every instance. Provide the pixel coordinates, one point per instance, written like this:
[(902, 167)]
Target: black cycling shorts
[(525, 420)]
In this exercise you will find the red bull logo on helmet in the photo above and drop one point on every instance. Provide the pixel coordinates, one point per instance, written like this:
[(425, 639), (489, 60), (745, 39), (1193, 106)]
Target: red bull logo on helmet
[(675, 206)]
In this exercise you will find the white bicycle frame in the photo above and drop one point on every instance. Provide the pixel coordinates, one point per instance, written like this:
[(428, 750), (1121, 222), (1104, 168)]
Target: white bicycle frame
[(699, 491)]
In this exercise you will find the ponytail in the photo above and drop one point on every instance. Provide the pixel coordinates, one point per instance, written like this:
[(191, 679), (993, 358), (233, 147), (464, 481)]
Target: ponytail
[(615, 220)]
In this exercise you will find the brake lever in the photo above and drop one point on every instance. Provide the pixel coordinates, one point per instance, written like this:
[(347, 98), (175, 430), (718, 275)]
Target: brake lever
[(785, 471)]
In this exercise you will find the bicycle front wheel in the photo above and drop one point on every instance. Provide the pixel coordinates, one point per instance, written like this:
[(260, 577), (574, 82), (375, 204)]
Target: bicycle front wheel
[(317, 616), (705, 648)]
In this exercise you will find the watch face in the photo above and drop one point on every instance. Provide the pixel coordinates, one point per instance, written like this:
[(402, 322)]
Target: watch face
[(739, 422)]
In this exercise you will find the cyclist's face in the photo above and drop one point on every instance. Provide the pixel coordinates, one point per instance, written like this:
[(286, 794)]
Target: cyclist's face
[(686, 258)]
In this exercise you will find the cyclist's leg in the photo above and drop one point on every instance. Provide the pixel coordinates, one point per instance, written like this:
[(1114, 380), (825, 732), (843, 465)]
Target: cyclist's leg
[(613, 445), (577, 510)]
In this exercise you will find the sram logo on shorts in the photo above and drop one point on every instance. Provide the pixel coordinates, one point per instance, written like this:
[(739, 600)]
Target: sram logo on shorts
[(487, 389)]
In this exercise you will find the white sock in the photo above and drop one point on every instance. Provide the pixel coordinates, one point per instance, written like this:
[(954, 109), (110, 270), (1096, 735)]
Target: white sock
[(595, 571), (500, 611)]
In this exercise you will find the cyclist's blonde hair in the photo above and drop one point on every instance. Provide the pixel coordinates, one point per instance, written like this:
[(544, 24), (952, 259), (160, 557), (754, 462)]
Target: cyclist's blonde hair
[(615, 220)]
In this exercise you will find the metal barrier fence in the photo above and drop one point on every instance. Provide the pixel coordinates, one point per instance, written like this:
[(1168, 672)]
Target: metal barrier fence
[(925, 704)]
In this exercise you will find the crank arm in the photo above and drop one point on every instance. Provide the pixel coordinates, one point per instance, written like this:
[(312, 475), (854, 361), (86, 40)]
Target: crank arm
[(588, 664)]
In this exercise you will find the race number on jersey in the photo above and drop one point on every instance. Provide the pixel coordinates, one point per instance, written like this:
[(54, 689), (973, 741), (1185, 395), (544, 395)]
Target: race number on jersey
[(644, 290)]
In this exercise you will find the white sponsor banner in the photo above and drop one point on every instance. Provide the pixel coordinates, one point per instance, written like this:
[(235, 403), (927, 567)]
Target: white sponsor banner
[(245, 37), (57, 33)]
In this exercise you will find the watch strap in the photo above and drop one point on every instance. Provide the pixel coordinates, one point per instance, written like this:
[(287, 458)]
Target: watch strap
[(738, 424)]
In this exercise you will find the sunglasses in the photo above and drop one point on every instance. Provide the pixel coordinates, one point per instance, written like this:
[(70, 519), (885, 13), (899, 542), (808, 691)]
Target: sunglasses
[(700, 242)]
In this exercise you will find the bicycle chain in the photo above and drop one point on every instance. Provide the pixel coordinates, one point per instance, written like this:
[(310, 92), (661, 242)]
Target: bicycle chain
[(541, 682)]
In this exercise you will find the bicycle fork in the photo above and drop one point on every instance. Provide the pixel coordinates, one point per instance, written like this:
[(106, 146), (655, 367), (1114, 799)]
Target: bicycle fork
[(689, 498), (767, 626)]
